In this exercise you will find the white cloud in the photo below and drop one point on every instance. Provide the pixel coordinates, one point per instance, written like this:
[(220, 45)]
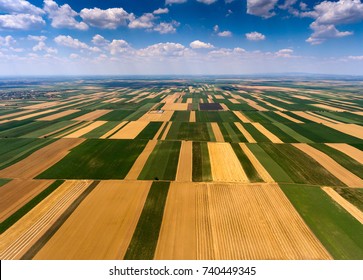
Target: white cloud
[(107, 19), (41, 46), (73, 56), (169, 2), (161, 11), (166, 27), (208, 2), (145, 21), (63, 16), (286, 53), (359, 57), (70, 42), (261, 8), (225, 34), (19, 7), (7, 41), (323, 32), (37, 38), (255, 36), (118, 46), (303, 6), (163, 50), (21, 21), (216, 28), (200, 45), (99, 40), (288, 4)]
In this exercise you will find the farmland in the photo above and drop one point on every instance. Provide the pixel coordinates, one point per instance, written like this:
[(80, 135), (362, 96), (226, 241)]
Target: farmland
[(183, 169)]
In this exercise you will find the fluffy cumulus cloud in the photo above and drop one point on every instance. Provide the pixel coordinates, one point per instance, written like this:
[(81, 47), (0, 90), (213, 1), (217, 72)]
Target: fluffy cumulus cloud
[(161, 11), (224, 33), (169, 2), (7, 41), (41, 46), (21, 21), (163, 50), (118, 46), (68, 41), (323, 32), (145, 21), (99, 40), (328, 14), (166, 27), (255, 36), (200, 45), (107, 19), (208, 2), (63, 16), (261, 8), (20, 7), (37, 38)]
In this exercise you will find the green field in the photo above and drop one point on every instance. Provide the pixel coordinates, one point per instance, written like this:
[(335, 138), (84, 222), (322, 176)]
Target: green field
[(97, 159), (201, 164)]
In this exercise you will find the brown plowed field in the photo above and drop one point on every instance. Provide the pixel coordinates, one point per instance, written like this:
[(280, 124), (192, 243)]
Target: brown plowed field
[(92, 115), (217, 132), (267, 133), (225, 165), (350, 151), (16, 193), (131, 130), (184, 171), (18, 239), (332, 166), (40, 160), (103, 224), (354, 211), (58, 115), (233, 221), (85, 130), (141, 160), (245, 133)]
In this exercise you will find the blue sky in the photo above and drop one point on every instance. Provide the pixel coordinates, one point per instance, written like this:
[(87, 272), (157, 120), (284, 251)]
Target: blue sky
[(180, 37)]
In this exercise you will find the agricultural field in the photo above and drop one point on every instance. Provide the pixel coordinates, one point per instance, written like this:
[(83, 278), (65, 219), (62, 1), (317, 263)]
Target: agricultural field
[(196, 169)]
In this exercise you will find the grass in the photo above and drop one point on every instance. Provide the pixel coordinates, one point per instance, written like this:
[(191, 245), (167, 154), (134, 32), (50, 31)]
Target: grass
[(272, 167), (180, 116), (150, 130), (255, 133), (115, 115), (353, 195), (101, 130), (144, 240), (341, 158), (14, 150), (188, 131), (48, 130), (214, 116), (299, 138), (201, 171), (248, 167), (26, 128), (338, 231), (8, 222), (300, 167), (163, 162), (4, 181), (97, 159), (231, 133), (285, 137)]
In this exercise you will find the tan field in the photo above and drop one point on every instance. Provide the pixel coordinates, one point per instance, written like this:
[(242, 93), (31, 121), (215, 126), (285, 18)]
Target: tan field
[(43, 105), (192, 117), (166, 131), (332, 166), (105, 222), (327, 107), (302, 97), (18, 239), (40, 160), (324, 118), (189, 100), (32, 115), (16, 114), (92, 115), (17, 193), (218, 96), (141, 160), (58, 130), (233, 221), (253, 104), (58, 115), (280, 99), (358, 113), (225, 165), (155, 116), (184, 171), (175, 107), (350, 208), (159, 131), (234, 101), (85, 130), (131, 130), (224, 106), (288, 117), (348, 128), (267, 133), (308, 116), (241, 116), (350, 151), (113, 130), (78, 127), (256, 164), (245, 133), (272, 105), (217, 132)]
